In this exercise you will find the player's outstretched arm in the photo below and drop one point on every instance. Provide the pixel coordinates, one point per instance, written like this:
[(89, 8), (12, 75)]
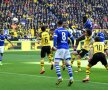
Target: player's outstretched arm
[(10, 42)]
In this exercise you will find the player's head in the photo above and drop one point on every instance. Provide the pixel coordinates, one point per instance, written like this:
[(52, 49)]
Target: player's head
[(65, 24), (60, 23), (88, 32), (97, 39), (84, 19), (43, 28), (100, 34)]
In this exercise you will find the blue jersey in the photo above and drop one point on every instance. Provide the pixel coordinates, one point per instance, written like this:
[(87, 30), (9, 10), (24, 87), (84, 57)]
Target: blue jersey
[(101, 35), (61, 38), (88, 24), (2, 38)]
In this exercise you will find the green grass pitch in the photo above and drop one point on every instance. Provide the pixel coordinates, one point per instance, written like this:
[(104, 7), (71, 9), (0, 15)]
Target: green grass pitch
[(20, 72)]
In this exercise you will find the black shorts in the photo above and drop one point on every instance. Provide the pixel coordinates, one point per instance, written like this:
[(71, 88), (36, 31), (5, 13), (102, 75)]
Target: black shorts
[(98, 57), (45, 50), (82, 52)]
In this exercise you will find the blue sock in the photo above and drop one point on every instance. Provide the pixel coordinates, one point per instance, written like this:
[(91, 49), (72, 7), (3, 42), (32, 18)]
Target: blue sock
[(0, 58), (58, 71), (69, 70)]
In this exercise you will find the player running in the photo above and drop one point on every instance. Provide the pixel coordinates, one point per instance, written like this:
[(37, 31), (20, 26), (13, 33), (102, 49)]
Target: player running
[(61, 45), (2, 39), (98, 55), (87, 25)]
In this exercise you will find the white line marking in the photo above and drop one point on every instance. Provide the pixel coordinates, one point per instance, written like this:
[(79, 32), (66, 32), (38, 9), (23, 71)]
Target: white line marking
[(83, 64), (49, 77)]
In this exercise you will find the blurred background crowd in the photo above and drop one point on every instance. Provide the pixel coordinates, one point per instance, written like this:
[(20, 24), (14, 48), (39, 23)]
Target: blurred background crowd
[(23, 18)]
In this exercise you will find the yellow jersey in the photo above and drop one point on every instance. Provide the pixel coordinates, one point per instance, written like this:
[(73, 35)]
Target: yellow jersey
[(98, 47), (87, 42), (106, 46), (15, 34), (45, 39)]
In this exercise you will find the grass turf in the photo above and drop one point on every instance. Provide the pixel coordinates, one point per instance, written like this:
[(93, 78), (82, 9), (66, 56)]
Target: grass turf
[(16, 74)]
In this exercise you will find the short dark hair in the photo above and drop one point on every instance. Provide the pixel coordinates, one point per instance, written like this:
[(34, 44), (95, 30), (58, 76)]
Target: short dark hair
[(89, 32), (84, 19), (97, 39), (43, 28), (60, 22)]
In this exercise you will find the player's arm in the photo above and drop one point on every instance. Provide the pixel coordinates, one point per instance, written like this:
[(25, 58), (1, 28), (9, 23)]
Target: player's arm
[(91, 42), (55, 40), (39, 38), (85, 25), (9, 41), (71, 38), (91, 52)]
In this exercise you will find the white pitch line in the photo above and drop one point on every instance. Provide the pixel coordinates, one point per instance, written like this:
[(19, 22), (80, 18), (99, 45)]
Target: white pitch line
[(83, 64), (48, 77)]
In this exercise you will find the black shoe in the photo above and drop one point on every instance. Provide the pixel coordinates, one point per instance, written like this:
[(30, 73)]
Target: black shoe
[(70, 82), (52, 67), (59, 81), (63, 68)]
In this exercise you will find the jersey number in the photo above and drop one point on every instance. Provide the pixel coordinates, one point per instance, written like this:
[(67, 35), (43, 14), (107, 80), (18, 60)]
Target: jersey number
[(99, 47), (46, 39), (63, 36)]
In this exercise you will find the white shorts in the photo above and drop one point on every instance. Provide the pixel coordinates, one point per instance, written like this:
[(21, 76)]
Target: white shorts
[(1, 49), (62, 54)]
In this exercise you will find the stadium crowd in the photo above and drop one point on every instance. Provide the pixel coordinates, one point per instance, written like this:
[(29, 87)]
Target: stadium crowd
[(23, 18)]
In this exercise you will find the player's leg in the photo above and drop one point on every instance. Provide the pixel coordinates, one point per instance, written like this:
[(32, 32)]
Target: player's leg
[(79, 63), (58, 56), (42, 60), (63, 65), (81, 55), (68, 65), (58, 72), (87, 73), (79, 39), (50, 56), (1, 54), (73, 56), (90, 53), (93, 61), (104, 61), (106, 51)]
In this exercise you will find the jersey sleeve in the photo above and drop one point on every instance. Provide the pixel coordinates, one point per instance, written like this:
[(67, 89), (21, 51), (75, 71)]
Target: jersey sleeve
[(71, 37), (6, 37)]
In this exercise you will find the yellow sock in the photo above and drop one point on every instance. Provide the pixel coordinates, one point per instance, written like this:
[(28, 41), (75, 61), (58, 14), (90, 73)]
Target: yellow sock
[(73, 56), (50, 57), (63, 63), (87, 71), (72, 60), (42, 64), (79, 64)]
